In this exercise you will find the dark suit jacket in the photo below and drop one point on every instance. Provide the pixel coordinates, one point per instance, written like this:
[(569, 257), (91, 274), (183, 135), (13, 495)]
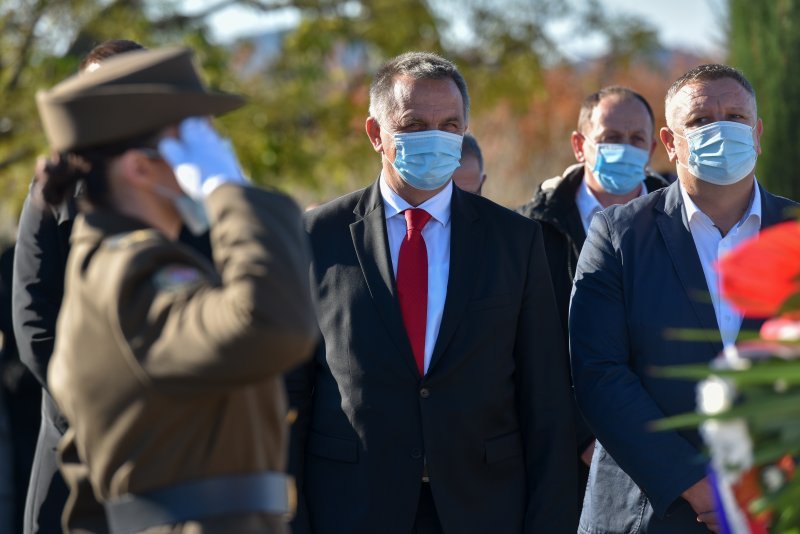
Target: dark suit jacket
[(491, 416), (638, 277)]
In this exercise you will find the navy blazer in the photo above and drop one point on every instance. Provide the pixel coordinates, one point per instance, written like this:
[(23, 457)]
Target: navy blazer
[(491, 416), (638, 279)]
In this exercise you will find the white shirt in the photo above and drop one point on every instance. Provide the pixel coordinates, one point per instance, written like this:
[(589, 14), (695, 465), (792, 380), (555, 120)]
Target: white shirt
[(588, 204), (437, 240), (711, 246)]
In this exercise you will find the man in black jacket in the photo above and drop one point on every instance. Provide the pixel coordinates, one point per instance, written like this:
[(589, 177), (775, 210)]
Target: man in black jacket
[(613, 145)]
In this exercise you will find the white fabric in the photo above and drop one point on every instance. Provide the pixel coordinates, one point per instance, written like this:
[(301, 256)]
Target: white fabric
[(437, 240), (588, 204), (711, 246), (200, 158)]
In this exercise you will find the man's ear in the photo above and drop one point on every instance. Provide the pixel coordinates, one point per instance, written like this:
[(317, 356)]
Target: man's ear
[(759, 131), (668, 139), (374, 134), (576, 140)]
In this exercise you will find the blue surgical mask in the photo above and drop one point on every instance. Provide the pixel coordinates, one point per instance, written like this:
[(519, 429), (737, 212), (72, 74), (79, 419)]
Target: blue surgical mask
[(619, 168), (426, 160), (721, 153)]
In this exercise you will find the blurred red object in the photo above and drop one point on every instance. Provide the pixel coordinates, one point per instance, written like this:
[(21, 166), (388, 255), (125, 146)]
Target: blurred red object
[(759, 276)]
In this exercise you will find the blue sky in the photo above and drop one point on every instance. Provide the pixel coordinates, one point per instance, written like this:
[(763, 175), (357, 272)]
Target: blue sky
[(691, 25)]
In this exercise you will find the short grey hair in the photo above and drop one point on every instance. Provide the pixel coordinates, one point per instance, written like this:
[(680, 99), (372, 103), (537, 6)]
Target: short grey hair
[(418, 66), (707, 73)]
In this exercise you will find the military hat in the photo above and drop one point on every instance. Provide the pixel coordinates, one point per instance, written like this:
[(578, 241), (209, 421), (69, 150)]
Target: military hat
[(130, 95)]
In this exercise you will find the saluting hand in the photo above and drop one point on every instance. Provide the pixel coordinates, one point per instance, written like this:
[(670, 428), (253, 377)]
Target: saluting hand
[(200, 158)]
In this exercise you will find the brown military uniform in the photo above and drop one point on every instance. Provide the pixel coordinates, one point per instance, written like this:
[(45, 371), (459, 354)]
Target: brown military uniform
[(169, 370)]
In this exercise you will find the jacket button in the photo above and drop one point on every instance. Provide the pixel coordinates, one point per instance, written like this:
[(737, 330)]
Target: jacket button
[(424, 393), (416, 453)]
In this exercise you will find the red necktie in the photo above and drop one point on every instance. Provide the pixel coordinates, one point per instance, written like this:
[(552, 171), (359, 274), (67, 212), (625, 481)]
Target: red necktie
[(412, 283)]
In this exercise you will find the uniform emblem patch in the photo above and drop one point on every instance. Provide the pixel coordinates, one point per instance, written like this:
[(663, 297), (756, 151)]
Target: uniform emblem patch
[(177, 278)]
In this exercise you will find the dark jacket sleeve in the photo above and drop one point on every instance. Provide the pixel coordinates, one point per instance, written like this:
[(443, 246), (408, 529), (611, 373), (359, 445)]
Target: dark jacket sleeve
[(545, 404), (38, 282)]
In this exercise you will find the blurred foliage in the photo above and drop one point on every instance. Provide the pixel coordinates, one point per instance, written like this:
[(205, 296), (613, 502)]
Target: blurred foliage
[(303, 129), (764, 43), (42, 42)]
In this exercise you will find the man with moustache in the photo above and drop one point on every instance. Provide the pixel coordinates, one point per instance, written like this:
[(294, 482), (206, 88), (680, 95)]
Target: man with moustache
[(613, 144)]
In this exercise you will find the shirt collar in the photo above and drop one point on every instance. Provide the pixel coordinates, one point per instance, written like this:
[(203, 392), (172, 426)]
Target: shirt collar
[(753, 210), (438, 206), (588, 204)]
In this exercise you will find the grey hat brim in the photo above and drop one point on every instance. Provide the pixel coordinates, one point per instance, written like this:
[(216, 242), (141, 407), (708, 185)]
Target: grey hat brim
[(146, 110), (130, 95)]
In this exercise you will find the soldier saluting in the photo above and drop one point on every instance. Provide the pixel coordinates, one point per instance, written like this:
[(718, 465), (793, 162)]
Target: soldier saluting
[(166, 366)]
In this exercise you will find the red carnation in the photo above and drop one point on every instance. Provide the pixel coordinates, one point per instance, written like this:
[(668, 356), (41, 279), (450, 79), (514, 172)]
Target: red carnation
[(760, 275)]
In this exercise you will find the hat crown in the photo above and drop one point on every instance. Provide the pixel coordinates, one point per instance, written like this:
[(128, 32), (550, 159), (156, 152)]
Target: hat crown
[(166, 67), (129, 95)]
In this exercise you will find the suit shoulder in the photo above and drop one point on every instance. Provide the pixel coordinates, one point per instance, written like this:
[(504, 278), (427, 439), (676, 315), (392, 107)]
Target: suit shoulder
[(786, 206), (635, 210), (334, 210), (501, 215)]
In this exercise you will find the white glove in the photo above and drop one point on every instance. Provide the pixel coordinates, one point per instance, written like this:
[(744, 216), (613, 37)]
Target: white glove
[(200, 158)]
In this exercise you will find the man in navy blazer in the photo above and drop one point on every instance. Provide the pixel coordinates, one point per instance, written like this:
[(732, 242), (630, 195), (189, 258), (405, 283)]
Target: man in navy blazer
[(464, 427), (646, 272)]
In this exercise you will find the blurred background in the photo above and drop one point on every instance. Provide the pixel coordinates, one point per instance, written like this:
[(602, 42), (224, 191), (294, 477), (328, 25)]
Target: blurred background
[(306, 66)]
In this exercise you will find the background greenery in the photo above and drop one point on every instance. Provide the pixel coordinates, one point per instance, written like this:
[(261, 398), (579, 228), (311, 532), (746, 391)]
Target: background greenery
[(303, 127), (765, 43)]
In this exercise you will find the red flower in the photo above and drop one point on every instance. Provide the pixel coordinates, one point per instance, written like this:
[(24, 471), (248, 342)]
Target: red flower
[(760, 275)]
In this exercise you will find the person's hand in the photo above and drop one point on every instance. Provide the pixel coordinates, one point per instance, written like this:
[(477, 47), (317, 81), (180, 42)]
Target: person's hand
[(200, 158), (701, 498), (587, 453)]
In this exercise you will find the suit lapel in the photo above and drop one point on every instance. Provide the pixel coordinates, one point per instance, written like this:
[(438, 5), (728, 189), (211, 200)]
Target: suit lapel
[(372, 249), (466, 244), (673, 226)]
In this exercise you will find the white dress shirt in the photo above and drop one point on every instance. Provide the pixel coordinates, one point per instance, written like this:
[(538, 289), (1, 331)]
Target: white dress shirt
[(588, 204), (711, 246), (437, 240)]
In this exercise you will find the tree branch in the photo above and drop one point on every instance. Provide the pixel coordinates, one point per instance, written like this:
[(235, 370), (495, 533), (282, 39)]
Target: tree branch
[(17, 155), (23, 55), (180, 19)]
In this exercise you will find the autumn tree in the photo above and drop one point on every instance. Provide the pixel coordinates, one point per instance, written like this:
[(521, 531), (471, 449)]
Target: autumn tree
[(303, 128)]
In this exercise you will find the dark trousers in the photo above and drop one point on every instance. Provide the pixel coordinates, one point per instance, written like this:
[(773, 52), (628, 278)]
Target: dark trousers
[(427, 520)]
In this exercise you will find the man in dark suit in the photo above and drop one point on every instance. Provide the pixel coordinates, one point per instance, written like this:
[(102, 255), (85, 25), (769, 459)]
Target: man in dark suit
[(613, 145), (647, 268), (437, 400)]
